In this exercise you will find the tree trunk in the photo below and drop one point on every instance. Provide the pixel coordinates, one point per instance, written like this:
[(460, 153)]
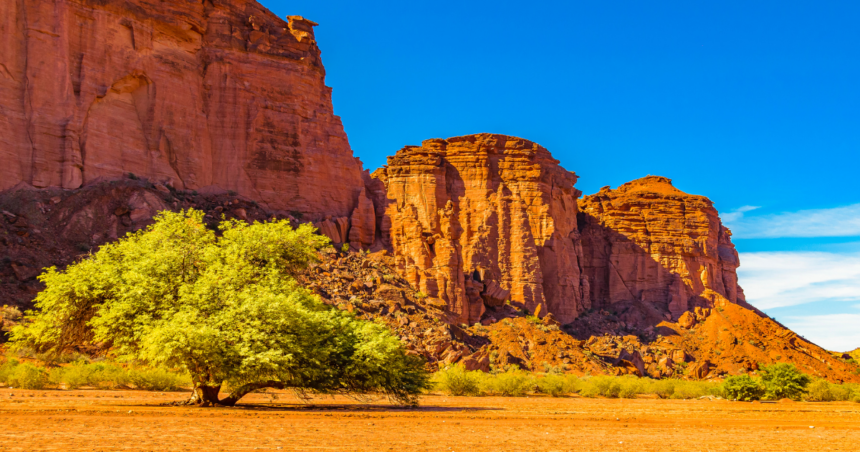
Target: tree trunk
[(204, 395), (242, 391)]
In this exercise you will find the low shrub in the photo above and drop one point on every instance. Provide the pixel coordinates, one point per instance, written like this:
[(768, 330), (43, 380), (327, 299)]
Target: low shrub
[(457, 381), (662, 388), (98, 375), (743, 388), (513, 382), (824, 391), (558, 385), (784, 380), (7, 368), (157, 380), (27, 376), (601, 385), (685, 389), (102, 375)]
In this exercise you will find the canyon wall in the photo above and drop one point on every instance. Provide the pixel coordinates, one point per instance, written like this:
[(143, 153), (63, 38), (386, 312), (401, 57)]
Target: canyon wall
[(649, 242), (218, 93), (479, 219)]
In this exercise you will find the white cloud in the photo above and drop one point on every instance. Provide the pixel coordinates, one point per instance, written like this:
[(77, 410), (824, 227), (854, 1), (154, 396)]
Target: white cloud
[(738, 213), (835, 222), (779, 279), (836, 332)]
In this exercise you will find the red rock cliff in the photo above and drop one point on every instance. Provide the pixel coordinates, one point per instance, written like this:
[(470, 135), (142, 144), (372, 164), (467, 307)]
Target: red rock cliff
[(218, 92), (647, 241), (478, 219)]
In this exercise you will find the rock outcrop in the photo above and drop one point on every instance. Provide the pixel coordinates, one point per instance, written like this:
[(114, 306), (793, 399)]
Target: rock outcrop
[(483, 216), (482, 219), (194, 94), (649, 242)]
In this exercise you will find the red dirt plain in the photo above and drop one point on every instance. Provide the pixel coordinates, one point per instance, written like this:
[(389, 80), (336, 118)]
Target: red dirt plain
[(137, 421)]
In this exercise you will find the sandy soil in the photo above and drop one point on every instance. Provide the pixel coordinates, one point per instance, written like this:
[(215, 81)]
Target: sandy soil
[(137, 421)]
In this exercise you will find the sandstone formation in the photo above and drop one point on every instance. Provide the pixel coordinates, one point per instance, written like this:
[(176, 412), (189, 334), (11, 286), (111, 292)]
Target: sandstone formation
[(194, 94), (468, 214), (221, 106), (650, 243)]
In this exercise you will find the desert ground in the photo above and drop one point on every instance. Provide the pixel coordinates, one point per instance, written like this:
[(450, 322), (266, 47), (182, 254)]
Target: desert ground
[(142, 421)]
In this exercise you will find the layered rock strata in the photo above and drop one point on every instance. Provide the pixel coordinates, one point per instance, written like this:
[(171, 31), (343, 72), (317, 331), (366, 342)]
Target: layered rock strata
[(483, 217), (194, 94), (649, 242)]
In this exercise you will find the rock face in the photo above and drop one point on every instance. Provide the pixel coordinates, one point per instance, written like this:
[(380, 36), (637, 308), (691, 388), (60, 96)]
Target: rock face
[(483, 217), (649, 242), (219, 92)]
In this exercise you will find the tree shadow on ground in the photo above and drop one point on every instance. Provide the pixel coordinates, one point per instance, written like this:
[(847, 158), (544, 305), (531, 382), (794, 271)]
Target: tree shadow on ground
[(376, 408)]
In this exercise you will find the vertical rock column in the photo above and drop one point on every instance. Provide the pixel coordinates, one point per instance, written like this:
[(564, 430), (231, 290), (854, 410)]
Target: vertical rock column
[(473, 218)]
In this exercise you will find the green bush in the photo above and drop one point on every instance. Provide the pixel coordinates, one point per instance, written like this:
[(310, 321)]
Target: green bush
[(601, 385), (108, 376), (558, 385), (157, 380), (511, 383), (693, 389), (631, 386), (743, 388), (824, 391), (6, 369), (783, 380), (27, 376), (662, 388), (98, 375), (457, 381)]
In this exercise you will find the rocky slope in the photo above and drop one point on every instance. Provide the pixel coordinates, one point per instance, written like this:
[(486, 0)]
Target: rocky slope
[(191, 94)]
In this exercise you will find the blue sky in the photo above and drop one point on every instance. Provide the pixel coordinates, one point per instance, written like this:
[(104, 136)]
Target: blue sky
[(753, 104)]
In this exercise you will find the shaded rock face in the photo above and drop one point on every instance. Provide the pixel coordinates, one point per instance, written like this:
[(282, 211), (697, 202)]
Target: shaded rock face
[(194, 94), (649, 242), (477, 218)]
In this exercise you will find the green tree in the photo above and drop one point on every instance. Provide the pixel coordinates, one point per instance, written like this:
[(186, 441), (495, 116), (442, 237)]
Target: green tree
[(784, 380), (224, 308), (743, 388)]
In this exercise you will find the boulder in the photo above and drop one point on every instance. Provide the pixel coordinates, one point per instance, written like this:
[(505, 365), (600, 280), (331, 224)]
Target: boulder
[(687, 320)]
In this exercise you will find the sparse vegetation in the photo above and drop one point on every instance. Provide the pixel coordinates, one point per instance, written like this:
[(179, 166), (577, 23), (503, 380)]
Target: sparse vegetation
[(100, 375), (455, 380)]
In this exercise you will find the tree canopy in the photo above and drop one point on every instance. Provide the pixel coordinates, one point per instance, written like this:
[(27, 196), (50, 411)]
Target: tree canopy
[(225, 307)]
